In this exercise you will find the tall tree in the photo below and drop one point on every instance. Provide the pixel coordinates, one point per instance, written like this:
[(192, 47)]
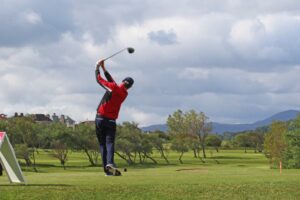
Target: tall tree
[(159, 141), (242, 140), (61, 142), (213, 141), (147, 147), (22, 151), (275, 143), (128, 142), (291, 155), (194, 144), (60, 151), (179, 131), (198, 125), (177, 123), (84, 138), (256, 140), (180, 145), (189, 124), (27, 131)]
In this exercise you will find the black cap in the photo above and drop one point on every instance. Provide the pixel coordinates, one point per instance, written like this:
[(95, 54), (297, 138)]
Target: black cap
[(128, 82)]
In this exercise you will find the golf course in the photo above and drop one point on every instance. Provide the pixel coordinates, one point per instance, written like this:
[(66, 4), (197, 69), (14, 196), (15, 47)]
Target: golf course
[(150, 100), (228, 174)]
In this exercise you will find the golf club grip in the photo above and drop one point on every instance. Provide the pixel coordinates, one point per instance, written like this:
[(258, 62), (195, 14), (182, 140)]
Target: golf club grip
[(114, 54)]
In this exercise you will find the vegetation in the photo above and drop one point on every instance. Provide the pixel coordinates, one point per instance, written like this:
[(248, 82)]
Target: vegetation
[(188, 131), (161, 165), (213, 141), (237, 176), (275, 143), (291, 155), (185, 128)]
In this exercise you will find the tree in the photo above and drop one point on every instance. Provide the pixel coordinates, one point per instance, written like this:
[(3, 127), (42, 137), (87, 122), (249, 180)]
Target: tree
[(4, 124), (147, 147), (189, 124), (24, 132), (256, 140), (291, 155), (194, 144), (227, 144), (61, 141), (129, 142), (242, 140), (180, 145), (159, 141), (179, 131), (60, 151), (84, 138), (275, 143), (177, 123), (30, 140), (198, 125), (22, 151), (213, 141)]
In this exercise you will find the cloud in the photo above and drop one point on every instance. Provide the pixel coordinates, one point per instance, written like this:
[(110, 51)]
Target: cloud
[(163, 37), (32, 17), (142, 118), (268, 40), (33, 22), (237, 61)]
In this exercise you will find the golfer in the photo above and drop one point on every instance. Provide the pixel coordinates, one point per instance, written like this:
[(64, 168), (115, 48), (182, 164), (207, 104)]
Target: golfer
[(107, 113)]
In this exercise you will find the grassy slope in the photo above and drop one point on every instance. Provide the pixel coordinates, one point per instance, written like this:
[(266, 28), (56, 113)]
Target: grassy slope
[(238, 176)]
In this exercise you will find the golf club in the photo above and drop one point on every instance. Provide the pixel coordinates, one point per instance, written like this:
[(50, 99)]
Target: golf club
[(129, 49)]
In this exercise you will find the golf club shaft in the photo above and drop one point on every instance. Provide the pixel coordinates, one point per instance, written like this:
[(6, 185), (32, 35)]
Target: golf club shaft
[(115, 54)]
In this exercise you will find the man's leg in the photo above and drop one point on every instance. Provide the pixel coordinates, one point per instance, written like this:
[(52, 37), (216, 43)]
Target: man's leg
[(110, 146), (100, 132), (110, 142)]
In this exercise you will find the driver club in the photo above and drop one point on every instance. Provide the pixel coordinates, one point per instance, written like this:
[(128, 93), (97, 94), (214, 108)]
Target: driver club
[(129, 49)]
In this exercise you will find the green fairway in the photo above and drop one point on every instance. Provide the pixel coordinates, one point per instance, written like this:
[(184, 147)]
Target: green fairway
[(230, 174)]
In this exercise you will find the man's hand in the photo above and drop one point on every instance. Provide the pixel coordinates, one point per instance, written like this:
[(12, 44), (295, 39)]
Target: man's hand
[(100, 63)]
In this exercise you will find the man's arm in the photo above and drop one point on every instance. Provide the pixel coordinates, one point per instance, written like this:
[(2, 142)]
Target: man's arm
[(108, 85), (108, 77)]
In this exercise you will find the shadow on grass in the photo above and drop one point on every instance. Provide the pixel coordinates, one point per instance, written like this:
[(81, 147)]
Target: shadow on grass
[(41, 167), (232, 157), (35, 185), (145, 165)]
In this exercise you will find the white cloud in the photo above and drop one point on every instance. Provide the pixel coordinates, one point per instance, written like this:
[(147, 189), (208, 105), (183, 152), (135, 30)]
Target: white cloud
[(235, 60), (32, 17), (142, 118)]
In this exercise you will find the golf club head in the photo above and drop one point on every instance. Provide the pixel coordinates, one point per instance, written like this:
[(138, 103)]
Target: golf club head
[(130, 50)]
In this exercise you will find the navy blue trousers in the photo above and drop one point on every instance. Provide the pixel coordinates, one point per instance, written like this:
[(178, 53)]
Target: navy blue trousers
[(106, 132)]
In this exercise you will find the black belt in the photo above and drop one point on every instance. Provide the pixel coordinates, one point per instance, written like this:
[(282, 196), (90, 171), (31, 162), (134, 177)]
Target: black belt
[(105, 118)]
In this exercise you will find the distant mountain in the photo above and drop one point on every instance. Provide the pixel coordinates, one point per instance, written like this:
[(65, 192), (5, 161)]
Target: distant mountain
[(160, 127), (220, 128), (282, 116)]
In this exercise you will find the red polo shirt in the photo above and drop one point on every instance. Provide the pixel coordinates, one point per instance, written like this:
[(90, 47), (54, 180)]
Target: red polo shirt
[(110, 104)]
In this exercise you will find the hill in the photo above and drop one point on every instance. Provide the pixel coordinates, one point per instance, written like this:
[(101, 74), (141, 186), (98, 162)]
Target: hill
[(220, 128)]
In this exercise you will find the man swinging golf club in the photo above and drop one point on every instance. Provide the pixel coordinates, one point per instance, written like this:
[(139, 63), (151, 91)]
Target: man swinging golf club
[(107, 113)]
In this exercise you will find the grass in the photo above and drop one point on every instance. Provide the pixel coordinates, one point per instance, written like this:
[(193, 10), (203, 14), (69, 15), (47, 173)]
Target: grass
[(238, 175)]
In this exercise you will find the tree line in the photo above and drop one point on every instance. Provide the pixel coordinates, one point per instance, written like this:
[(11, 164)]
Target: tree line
[(187, 131)]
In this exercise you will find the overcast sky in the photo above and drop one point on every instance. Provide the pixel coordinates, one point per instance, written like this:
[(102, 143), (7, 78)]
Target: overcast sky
[(236, 60)]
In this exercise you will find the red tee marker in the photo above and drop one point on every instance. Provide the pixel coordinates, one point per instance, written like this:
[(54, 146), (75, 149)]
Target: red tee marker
[(2, 134)]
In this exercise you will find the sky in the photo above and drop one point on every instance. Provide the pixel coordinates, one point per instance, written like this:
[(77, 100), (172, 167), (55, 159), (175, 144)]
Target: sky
[(235, 60)]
